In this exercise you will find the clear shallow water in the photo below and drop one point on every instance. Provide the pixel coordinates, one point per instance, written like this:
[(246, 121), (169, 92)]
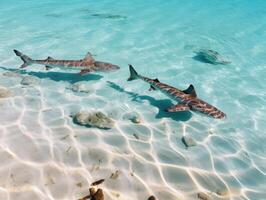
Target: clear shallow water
[(45, 156)]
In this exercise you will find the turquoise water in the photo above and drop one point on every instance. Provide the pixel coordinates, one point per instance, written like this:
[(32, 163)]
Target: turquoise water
[(159, 39)]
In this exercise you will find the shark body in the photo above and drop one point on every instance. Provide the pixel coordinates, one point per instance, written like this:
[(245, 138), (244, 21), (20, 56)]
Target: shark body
[(187, 99), (85, 65)]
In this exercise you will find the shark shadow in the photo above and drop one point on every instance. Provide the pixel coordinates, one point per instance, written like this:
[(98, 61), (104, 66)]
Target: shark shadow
[(57, 76), (160, 104)]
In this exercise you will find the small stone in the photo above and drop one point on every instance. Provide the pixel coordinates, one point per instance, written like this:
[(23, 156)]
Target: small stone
[(92, 191), (12, 74), (222, 192), (4, 92), (29, 80), (115, 194), (203, 196), (152, 198), (115, 175), (97, 119), (136, 136), (133, 117), (97, 182), (188, 142), (79, 87), (79, 184), (135, 120), (98, 195)]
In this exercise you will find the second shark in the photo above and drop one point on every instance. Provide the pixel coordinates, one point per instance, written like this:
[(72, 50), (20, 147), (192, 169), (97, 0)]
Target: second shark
[(187, 99), (85, 65)]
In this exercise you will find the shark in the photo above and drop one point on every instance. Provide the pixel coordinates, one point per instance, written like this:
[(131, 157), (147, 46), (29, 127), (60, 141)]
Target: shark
[(85, 65), (187, 99)]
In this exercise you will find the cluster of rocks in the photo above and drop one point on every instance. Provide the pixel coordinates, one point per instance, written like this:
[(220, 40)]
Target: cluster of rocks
[(100, 120), (97, 194), (95, 119)]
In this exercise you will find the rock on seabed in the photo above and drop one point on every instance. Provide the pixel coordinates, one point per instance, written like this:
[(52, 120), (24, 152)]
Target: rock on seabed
[(29, 80), (4, 92), (12, 74), (96, 119), (188, 142)]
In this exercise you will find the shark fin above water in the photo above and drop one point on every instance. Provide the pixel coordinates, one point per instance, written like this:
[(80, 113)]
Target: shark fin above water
[(49, 58), (156, 80), (177, 108), (190, 90), (89, 58)]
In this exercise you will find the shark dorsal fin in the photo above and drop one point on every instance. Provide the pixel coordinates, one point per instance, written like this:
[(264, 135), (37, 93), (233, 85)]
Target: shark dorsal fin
[(89, 58), (49, 58), (190, 90), (156, 80)]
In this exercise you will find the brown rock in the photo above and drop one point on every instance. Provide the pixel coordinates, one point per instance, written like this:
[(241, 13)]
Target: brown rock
[(97, 182), (152, 198), (203, 196), (98, 195), (92, 191)]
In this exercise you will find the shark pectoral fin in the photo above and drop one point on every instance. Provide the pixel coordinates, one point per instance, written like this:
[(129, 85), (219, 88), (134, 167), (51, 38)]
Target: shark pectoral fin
[(152, 88), (177, 108), (84, 71), (89, 58), (190, 90), (47, 67)]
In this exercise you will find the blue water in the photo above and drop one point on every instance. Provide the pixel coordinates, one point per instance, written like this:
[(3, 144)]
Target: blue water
[(159, 39)]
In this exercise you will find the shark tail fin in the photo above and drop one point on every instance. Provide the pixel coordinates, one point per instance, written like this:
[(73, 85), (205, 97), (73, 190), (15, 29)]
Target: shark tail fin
[(133, 74), (26, 59)]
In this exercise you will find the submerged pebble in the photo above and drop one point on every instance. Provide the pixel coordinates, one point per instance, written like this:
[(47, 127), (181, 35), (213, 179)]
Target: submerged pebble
[(96, 119), (203, 196), (136, 136), (97, 182), (29, 80), (79, 87), (133, 117), (4, 92), (98, 195), (188, 142), (12, 74), (222, 192), (115, 175)]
